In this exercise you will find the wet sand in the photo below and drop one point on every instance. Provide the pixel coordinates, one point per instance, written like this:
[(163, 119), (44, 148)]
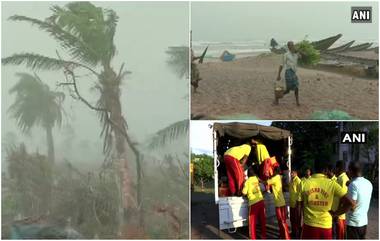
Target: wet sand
[(246, 87)]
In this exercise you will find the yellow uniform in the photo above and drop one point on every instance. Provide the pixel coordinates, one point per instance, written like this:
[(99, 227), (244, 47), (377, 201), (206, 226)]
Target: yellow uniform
[(342, 181), (239, 152), (261, 153), (295, 186), (334, 178), (317, 194), (252, 190), (276, 183)]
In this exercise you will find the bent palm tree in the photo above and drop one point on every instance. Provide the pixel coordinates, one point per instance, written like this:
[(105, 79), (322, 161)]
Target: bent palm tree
[(86, 33), (37, 105)]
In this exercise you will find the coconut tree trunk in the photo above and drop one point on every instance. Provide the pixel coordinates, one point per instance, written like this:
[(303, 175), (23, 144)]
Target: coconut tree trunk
[(111, 88), (47, 200), (50, 144)]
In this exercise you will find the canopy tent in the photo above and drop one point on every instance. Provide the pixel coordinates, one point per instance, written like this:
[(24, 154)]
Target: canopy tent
[(247, 130)]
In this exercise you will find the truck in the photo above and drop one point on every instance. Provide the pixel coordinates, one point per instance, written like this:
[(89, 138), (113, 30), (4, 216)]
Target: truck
[(233, 210)]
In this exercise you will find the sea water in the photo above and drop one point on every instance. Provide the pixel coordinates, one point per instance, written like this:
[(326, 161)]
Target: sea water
[(240, 49)]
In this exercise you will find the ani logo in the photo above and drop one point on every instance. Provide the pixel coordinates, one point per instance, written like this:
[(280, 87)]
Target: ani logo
[(353, 137), (361, 14)]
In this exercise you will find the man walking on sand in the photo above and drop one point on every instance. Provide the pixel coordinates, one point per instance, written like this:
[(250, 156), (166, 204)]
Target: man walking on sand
[(290, 65)]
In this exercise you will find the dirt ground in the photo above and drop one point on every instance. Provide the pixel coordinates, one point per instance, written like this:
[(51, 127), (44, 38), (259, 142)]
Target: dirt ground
[(246, 87)]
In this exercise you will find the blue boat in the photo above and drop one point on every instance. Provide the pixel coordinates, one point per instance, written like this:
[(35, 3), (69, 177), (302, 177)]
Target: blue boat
[(226, 56)]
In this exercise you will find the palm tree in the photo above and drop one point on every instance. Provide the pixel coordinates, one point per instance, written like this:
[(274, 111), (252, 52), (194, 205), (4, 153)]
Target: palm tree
[(37, 105), (86, 33), (169, 134)]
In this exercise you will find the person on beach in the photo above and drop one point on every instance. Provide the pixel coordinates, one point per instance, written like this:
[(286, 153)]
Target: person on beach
[(276, 184), (360, 190), (290, 60), (235, 159), (256, 204), (195, 76), (295, 217), (316, 198)]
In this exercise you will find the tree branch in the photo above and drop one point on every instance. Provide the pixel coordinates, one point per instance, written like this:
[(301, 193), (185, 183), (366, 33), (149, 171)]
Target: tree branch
[(108, 119)]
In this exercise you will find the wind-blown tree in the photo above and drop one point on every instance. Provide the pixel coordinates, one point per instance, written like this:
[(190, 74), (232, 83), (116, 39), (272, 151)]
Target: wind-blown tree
[(36, 105), (179, 60), (86, 34), (169, 134)]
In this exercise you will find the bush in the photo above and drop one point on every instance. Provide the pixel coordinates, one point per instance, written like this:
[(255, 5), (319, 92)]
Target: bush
[(309, 55)]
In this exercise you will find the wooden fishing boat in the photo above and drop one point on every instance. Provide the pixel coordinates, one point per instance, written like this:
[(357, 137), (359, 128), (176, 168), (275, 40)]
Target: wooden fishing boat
[(326, 43), (340, 48), (278, 51), (360, 47)]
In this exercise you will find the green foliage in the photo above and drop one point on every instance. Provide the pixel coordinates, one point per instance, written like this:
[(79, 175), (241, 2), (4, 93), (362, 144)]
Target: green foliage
[(179, 60), (166, 199), (81, 28), (36, 61), (203, 167), (310, 140), (169, 133), (29, 181), (330, 115), (309, 55), (35, 103)]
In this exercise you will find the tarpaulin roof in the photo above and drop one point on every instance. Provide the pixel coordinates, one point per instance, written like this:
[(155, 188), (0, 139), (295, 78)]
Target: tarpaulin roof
[(246, 130)]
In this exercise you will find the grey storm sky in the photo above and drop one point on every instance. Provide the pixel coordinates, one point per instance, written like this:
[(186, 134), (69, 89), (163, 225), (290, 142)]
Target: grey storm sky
[(153, 96), (240, 21)]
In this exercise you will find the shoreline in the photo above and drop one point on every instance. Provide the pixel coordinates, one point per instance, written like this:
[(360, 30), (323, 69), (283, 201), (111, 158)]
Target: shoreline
[(245, 87)]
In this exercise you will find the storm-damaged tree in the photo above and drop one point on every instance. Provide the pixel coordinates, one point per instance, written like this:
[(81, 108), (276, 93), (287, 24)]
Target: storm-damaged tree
[(36, 105), (86, 35)]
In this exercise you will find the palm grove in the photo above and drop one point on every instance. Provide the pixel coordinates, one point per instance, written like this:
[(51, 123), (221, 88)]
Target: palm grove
[(85, 34)]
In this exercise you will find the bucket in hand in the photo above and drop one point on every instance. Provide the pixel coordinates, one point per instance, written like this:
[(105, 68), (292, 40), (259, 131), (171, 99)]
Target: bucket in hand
[(279, 92)]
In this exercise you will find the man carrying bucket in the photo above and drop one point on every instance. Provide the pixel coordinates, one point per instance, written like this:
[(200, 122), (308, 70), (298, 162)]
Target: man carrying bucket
[(290, 65)]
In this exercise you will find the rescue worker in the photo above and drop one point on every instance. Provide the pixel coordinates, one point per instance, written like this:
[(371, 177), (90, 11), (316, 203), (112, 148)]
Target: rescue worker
[(256, 203), (342, 180), (276, 184), (295, 217), (235, 159), (316, 198)]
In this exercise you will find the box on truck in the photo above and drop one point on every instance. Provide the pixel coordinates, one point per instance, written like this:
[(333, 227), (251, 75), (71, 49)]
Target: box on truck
[(233, 210)]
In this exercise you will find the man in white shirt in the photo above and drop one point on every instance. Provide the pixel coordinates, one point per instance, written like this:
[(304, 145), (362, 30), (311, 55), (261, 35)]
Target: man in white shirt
[(290, 65), (360, 190)]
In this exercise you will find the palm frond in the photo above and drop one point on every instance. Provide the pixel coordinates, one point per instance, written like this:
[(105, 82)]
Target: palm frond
[(75, 46), (169, 134), (179, 60), (35, 104), (36, 61), (93, 25)]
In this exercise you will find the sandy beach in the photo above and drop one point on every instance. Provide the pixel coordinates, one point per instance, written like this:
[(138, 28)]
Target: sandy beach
[(245, 87)]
